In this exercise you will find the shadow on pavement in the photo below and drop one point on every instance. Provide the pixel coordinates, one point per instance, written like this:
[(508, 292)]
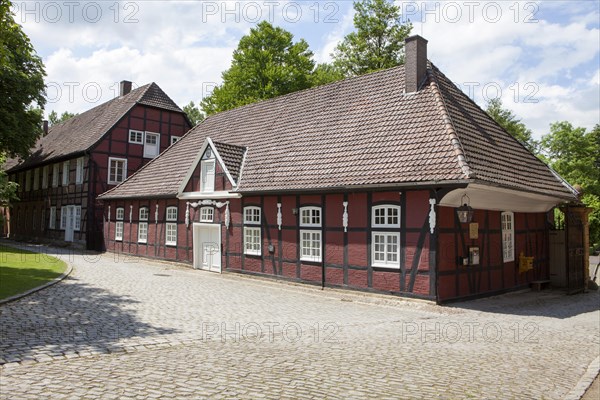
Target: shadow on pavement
[(548, 303), (71, 317)]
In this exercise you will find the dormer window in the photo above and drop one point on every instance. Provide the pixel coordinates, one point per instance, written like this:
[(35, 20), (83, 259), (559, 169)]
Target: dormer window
[(208, 166)]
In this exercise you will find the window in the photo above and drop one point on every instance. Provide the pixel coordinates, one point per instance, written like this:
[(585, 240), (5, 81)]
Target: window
[(55, 175), (65, 172), (36, 179), (143, 225), (386, 249), (43, 220), (77, 218), (252, 241), (508, 236), (310, 240), (120, 215), (207, 214), (175, 139), (151, 145), (207, 183), (117, 170), (310, 245), (28, 181), (136, 136), (63, 217), (310, 216), (79, 171), (45, 171), (34, 219), (251, 215), (386, 216), (52, 222), (171, 227)]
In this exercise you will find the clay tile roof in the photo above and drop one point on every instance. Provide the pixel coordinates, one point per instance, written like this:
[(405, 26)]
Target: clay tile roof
[(84, 130), (232, 156), (356, 132)]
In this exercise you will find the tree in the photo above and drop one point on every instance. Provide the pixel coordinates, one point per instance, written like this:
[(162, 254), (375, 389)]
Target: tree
[(8, 190), (54, 119), (22, 88), (574, 153), (378, 41), (193, 113), (507, 120), (326, 73), (266, 64)]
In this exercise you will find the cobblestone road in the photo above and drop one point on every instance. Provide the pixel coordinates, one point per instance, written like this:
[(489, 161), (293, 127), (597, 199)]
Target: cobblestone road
[(131, 328)]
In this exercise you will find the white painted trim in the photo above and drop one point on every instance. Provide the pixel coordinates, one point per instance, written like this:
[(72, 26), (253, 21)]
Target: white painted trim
[(218, 157), (311, 224), (486, 197), (146, 133), (136, 131), (207, 183), (124, 170), (385, 264), (197, 247), (311, 258), (249, 222), (385, 206), (253, 228), (208, 196)]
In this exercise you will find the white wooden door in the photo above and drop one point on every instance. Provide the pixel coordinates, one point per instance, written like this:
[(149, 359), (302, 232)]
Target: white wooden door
[(207, 247), (70, 223)]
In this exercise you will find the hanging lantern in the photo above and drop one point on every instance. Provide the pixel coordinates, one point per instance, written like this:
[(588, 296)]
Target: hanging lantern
[(465, 212)]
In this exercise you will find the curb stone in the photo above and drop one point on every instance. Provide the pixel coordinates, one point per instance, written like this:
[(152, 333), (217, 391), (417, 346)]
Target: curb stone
[(585, 382)]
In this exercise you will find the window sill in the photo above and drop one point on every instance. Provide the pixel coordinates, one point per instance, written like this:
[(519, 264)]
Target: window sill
[(386, 266), (311, 260), (171, 244), (253, 253), (143, 241)]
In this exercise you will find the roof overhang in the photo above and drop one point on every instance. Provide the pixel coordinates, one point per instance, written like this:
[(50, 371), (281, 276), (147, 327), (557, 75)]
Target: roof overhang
[(208, 196), (486, 197)]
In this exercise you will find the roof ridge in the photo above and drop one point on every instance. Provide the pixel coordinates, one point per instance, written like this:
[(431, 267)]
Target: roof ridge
[(459, 151)]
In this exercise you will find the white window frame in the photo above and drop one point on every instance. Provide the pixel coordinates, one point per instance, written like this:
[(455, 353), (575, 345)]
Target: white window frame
[(79, 171), (171, 227), (311, 216), (207, 183), (116, 159), (252, 215), (175, 139), (144, 216), (252, 234), (52, 222), (77, 224), (386, 262), (137, 134), (119, 217), (307, 252), (507, 221), (207, 214), (63, 217), (55, 172), (252, 241), (387, 216), (36, 179), (148, 155), (45, 172), (65, 170)]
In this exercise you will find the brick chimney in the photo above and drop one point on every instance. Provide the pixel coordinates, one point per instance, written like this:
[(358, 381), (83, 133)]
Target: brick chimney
[(415, 63), (124, 88), (45, 126)]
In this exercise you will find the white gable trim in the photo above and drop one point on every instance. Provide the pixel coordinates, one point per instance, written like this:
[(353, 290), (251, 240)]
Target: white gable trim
[(207, 143)]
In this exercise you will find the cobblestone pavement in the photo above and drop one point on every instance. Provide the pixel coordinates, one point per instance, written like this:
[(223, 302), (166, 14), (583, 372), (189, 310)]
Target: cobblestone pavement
[(132, 328)]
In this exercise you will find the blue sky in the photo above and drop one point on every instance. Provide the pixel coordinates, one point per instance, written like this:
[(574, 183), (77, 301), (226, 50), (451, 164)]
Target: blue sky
[(541, 57)]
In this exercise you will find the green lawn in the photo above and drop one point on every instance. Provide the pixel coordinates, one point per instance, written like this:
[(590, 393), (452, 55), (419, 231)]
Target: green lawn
[(21, 270)]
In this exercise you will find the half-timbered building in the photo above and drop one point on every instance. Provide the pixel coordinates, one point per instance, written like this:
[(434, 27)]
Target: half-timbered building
[(86, 155), (394, 182)]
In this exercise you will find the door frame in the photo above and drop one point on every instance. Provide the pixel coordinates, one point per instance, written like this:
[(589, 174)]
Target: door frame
[(197, 228)]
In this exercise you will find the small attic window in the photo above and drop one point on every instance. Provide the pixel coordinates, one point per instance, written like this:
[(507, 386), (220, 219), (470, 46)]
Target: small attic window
[(208, 154)]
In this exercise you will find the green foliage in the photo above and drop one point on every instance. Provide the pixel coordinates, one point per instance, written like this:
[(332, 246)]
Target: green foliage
[(575, 154), (54, 119), (266, 64), (193, 113), (326, 73), (378, 41), (507, 120), (8, 190), (22, 87)]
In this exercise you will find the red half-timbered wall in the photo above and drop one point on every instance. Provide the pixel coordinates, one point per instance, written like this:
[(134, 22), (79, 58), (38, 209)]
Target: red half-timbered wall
[(492, 275), (346, 256), (26, 214)]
